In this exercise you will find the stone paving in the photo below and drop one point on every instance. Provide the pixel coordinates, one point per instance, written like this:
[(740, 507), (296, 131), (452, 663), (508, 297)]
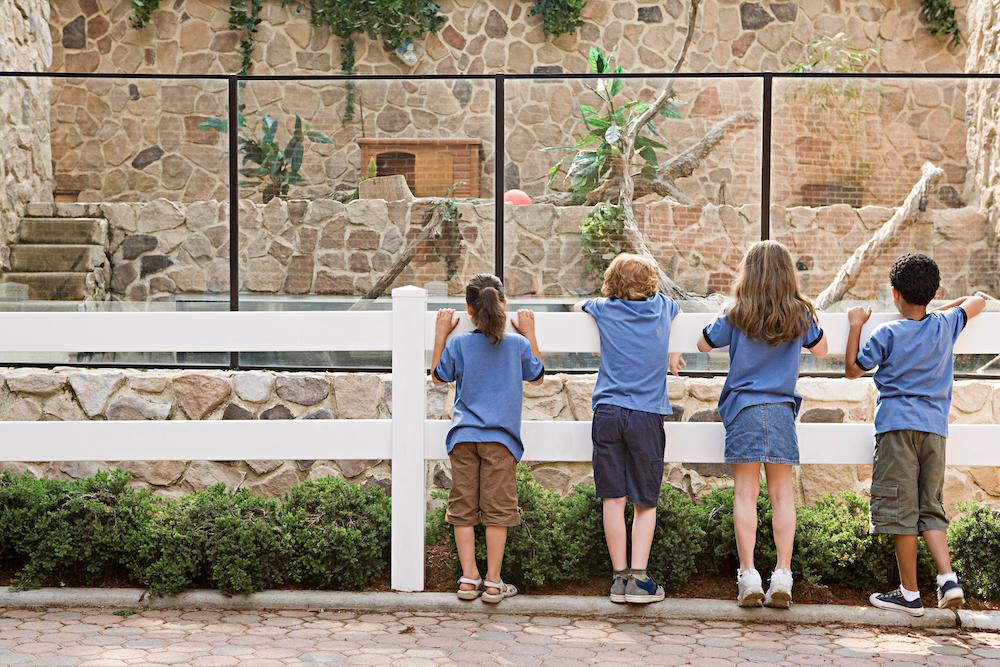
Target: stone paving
[(100, 637)]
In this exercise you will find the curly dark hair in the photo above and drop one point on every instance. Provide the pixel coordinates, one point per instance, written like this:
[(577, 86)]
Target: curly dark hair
[(916, 277)]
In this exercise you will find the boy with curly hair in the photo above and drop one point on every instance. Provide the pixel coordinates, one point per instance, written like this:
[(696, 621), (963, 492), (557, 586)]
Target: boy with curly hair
[(914, 380)]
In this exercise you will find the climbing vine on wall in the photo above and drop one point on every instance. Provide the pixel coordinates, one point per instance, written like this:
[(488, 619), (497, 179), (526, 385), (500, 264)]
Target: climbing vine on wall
[(245, 21), (559, 16), (940, 17)]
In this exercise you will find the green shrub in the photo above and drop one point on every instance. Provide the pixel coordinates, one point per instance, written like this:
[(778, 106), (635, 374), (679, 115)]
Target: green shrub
[(168, 556), (715, 512), (974, 538), (337, 533), (75, 530), (678, 541)]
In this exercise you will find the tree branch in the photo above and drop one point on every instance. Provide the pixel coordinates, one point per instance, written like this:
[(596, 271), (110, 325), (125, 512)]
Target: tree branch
[(685, 163)]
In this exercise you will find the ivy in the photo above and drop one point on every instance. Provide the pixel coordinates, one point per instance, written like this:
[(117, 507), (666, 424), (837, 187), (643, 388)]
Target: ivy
[(142, 12), (940, 18), (559, 16), (602, 237), (246, 21)]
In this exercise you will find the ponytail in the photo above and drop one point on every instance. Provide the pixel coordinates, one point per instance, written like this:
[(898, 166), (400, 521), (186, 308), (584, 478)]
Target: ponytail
[(489, 311)]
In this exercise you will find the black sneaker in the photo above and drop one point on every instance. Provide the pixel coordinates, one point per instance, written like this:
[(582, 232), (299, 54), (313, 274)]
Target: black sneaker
[(894, 601), (643, 591), (950, 595)]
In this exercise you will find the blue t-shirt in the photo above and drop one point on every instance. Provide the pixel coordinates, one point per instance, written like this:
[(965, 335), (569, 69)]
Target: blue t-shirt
[(914, 376), (634, 336), (488, 389), (758, 371)]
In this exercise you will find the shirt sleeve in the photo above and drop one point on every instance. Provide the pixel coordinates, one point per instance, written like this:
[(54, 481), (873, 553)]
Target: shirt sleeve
[(814, 335), (531, 367), (957, 319), (672, 306), (720, 332), (875, 350), (593, 307), (445, 371)]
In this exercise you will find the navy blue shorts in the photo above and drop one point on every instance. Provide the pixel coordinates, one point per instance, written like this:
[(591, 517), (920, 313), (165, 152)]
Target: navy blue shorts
[(628, 454)]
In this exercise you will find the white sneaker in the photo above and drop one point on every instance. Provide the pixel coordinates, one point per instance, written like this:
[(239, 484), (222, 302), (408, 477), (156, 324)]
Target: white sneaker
[(779, 593), (751, 592)]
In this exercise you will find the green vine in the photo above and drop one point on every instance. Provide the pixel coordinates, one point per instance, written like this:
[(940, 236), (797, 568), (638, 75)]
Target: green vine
[(559, 16), (246, 21), (602, 237), (940, 17), (449, 234), (142, 12)]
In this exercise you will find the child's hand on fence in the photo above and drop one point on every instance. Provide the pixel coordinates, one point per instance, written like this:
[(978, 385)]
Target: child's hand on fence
[(677, 363), (858, 315), (445, 323), (524, 324)]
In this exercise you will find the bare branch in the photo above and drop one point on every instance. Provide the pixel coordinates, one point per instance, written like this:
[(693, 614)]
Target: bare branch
[(868, 252), (685, 163)]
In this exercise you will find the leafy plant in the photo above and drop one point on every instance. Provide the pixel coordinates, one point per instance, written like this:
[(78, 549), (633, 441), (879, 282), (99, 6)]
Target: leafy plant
[(940, 18), (246, 22), (599, 151), (975, 542), (601, 237), (831, 54), (142, 12), (265, 165), (559, 16), (449, 234)]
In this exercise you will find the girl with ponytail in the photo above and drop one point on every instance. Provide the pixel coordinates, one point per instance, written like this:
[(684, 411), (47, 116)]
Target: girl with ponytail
[(488, 366)]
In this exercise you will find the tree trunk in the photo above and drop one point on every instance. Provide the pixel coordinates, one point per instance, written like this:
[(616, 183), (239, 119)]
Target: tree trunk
[(867, 253)]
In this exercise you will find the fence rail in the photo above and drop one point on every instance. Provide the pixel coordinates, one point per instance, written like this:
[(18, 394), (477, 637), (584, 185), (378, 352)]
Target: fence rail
[(408, 438)]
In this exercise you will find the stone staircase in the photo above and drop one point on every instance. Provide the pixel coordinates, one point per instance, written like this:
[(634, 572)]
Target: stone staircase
[(61, 254)]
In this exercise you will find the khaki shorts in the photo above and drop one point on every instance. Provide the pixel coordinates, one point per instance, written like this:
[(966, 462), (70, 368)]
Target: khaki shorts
[(483, 485), (907, 481)]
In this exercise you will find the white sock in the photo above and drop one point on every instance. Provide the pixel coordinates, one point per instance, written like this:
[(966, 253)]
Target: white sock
[(909, 596), (941, 578)]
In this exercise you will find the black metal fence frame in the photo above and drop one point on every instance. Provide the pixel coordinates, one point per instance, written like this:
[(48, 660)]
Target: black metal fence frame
[(234, 82)]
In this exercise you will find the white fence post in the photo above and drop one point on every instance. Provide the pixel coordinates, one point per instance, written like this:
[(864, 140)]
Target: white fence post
[(409, 502)]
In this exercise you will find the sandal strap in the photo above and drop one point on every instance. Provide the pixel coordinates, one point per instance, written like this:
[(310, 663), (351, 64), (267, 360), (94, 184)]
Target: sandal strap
[(472, 582), (494, 584)]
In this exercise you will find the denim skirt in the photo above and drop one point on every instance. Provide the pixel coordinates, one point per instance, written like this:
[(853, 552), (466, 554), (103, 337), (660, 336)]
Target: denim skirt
[(763, 433)]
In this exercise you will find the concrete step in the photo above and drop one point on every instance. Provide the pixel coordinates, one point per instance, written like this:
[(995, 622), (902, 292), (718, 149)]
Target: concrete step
[(52, 286), (40, 257), (64, 230)]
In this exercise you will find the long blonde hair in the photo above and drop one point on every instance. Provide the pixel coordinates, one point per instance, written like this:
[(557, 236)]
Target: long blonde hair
[(768, 303)]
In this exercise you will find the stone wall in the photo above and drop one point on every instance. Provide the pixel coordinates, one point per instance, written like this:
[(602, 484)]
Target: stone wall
[(75, 394), (153, 123), (25, 148), (983, 101), (160, 250)]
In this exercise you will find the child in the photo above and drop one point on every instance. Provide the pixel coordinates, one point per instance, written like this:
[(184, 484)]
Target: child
[(765, 328), (629, 403), (914, 376), (484, 442)]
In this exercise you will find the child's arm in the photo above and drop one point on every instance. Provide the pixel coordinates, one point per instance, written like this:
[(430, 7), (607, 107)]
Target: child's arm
[(972, 305), (443, 326), (525, 325), (856, 318), (578, 306), (676, 363)]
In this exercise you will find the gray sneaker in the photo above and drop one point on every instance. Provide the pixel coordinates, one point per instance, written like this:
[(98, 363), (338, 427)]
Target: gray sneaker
[(619, 582), (643, 591)]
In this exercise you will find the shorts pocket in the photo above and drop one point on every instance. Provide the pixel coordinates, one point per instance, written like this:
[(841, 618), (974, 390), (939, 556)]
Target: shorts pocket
[(884, 504)]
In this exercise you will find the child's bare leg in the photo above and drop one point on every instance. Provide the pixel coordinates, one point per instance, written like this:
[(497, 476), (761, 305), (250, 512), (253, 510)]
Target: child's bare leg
[(496, 541), (643, 527), (779, 490), (906, 560), (465, 541), (747, 478), (615, 533), (937, 544)]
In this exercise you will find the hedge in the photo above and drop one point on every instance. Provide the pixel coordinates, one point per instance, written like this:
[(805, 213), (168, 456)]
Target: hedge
[(329, 534)]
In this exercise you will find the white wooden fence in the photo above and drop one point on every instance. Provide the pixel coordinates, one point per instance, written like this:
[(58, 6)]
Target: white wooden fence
[(408, 438)]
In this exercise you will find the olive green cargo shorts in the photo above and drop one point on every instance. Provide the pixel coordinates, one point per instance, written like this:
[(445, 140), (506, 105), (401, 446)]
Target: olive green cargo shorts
[(907, 480)]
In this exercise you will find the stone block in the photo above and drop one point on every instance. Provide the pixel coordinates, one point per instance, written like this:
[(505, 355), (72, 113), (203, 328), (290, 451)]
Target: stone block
[(93, 389), (303, 390)]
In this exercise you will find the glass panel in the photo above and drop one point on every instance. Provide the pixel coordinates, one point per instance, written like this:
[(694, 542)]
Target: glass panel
[(396, 191), (126, 208), (697, 219), (846, 153)]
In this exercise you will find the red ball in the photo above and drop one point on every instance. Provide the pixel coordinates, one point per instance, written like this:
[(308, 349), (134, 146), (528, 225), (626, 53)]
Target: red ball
[(517, 197)]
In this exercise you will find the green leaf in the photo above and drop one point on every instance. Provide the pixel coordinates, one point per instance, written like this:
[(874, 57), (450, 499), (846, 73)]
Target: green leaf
[(613, 134), (646, 141), (595, 61), (318, 137), (216, 124), (615, 86), (588, 140), (670, 110), (553, 172), (648, 154), (587, 110)]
